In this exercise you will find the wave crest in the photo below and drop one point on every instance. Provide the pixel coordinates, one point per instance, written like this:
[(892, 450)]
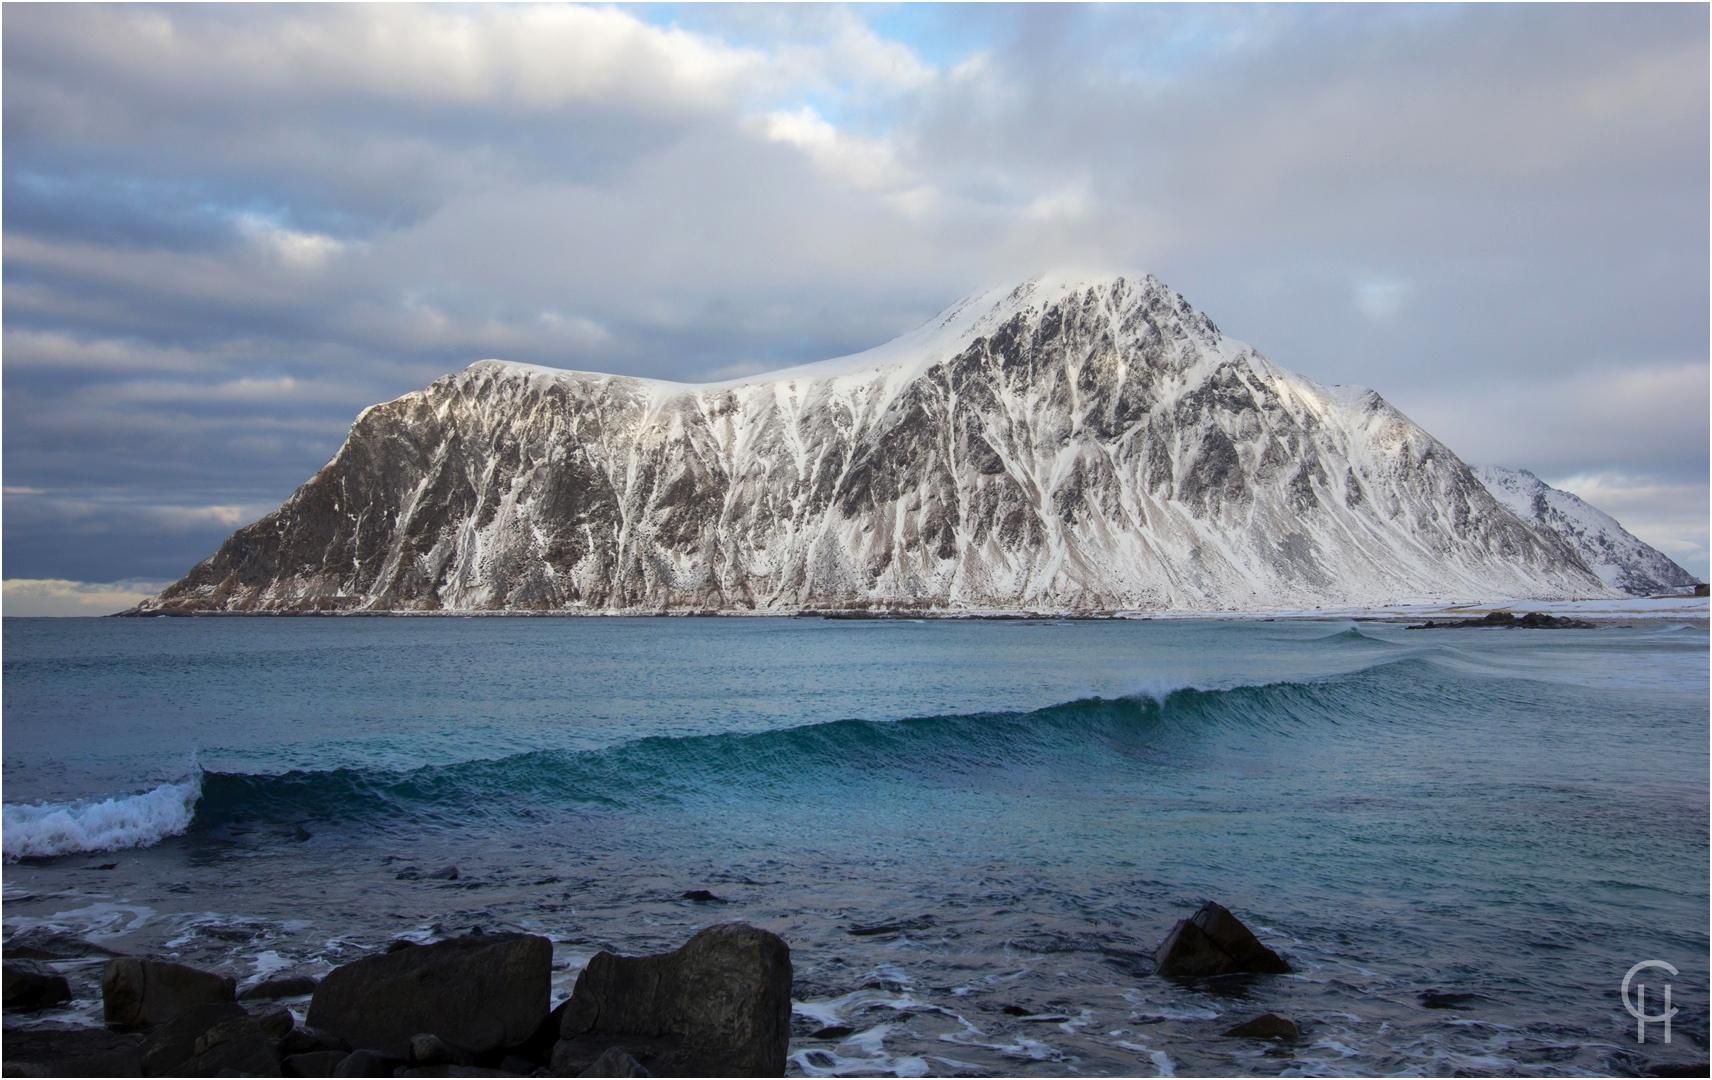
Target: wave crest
[(113, 824)]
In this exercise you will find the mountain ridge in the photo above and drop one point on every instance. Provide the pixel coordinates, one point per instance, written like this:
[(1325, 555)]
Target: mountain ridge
[(1069, 445), (1620, 559)]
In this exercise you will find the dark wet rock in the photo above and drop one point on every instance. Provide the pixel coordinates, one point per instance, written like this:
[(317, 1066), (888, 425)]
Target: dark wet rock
[(142, 993), (922, 922), (1533, 620), (615, 1062), (836, 1031), (1265, 1026), (203, 1040), (1679, 1068), (308, 1040), (538, 1048), (1214, 942), (445, 873), (451, 1070), (40, 943), (718, 1006), (30, 984), (1016, 1010), (367, 1063), (431, 1050), (702, 896), (314, 1063), (477, 993), (409, 873), (400, 943), (72, 1051), (517, 1066), (1448, 999), (271, 989), (276, 1021)]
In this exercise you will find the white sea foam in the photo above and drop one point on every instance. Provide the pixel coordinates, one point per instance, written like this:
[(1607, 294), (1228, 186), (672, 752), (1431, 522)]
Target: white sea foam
[(112, 824)]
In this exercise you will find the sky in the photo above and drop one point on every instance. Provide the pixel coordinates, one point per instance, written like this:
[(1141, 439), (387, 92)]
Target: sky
[(227, 230)]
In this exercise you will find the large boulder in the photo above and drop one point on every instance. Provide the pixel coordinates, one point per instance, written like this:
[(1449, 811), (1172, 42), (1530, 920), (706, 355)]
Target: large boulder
[(32, 985), (478, 993), (1214, 942), (718, 1006), (205, 1040), (142, 993)]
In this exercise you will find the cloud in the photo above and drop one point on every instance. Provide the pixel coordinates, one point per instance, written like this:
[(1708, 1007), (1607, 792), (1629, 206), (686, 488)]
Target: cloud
[(228, 229), (57, 598)]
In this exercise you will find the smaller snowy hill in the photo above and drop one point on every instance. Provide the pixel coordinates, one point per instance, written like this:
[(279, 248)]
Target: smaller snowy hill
[(1619, 558)]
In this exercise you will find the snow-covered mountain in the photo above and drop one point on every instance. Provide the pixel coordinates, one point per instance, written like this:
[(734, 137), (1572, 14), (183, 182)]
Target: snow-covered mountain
[(1621, 559), (1068, 445)]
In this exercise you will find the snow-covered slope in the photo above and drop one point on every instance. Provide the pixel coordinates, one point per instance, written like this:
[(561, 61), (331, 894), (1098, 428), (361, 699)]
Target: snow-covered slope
[(1619, 558), (1065, 446)]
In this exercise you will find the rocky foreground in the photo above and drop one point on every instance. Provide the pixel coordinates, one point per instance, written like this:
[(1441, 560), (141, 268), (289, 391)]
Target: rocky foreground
[(478, 1005), (1068, 446)]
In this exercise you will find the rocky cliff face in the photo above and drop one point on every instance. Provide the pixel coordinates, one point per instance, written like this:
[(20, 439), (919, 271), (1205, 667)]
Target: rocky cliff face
[(1621, 560), (1067, 446)]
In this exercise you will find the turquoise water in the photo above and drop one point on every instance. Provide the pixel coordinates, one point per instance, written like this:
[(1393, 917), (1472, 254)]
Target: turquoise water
[(1501, 821)]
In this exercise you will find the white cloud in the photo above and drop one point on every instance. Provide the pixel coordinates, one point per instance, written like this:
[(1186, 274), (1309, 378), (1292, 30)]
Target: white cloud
[(301, 251), (860, 162)]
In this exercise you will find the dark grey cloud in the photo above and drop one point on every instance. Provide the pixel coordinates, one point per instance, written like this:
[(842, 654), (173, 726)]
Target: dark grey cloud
[(228, 229)]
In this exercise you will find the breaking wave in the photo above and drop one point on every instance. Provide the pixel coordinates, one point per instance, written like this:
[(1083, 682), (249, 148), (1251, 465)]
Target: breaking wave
[(1087, 734), (111, 824)]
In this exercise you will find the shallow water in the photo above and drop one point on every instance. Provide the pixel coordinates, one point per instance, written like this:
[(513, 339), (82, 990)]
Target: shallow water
[(1512, 818)]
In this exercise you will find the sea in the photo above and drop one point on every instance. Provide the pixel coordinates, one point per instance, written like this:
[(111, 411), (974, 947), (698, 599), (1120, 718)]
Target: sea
[(971, 833)]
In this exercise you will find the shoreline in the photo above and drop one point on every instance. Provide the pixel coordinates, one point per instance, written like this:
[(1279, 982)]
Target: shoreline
[(1697, 609)]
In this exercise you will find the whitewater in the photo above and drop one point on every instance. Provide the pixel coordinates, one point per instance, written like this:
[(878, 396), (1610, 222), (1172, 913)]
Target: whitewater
[(1460, 839)]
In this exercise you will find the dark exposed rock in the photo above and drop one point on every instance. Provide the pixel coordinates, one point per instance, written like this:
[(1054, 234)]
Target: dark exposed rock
[(72, 1051), (1214, 942), (30, 984), (702, 896), (430, 1050), (1447, 999), (141, 993), (615, 1062), (538, 1048), (1533, 620), (1265, 1026), (921, 922), (270, 989), (477, 993), (41, 943), (276, 1021), (718, 1006), (367, 1063), (445, 873), (834, 1031), (308, 1040), (314, 1063), (202, 1040)]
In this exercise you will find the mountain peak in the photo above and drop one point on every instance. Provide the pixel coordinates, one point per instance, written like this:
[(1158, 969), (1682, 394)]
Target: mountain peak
[(1070, 444)]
